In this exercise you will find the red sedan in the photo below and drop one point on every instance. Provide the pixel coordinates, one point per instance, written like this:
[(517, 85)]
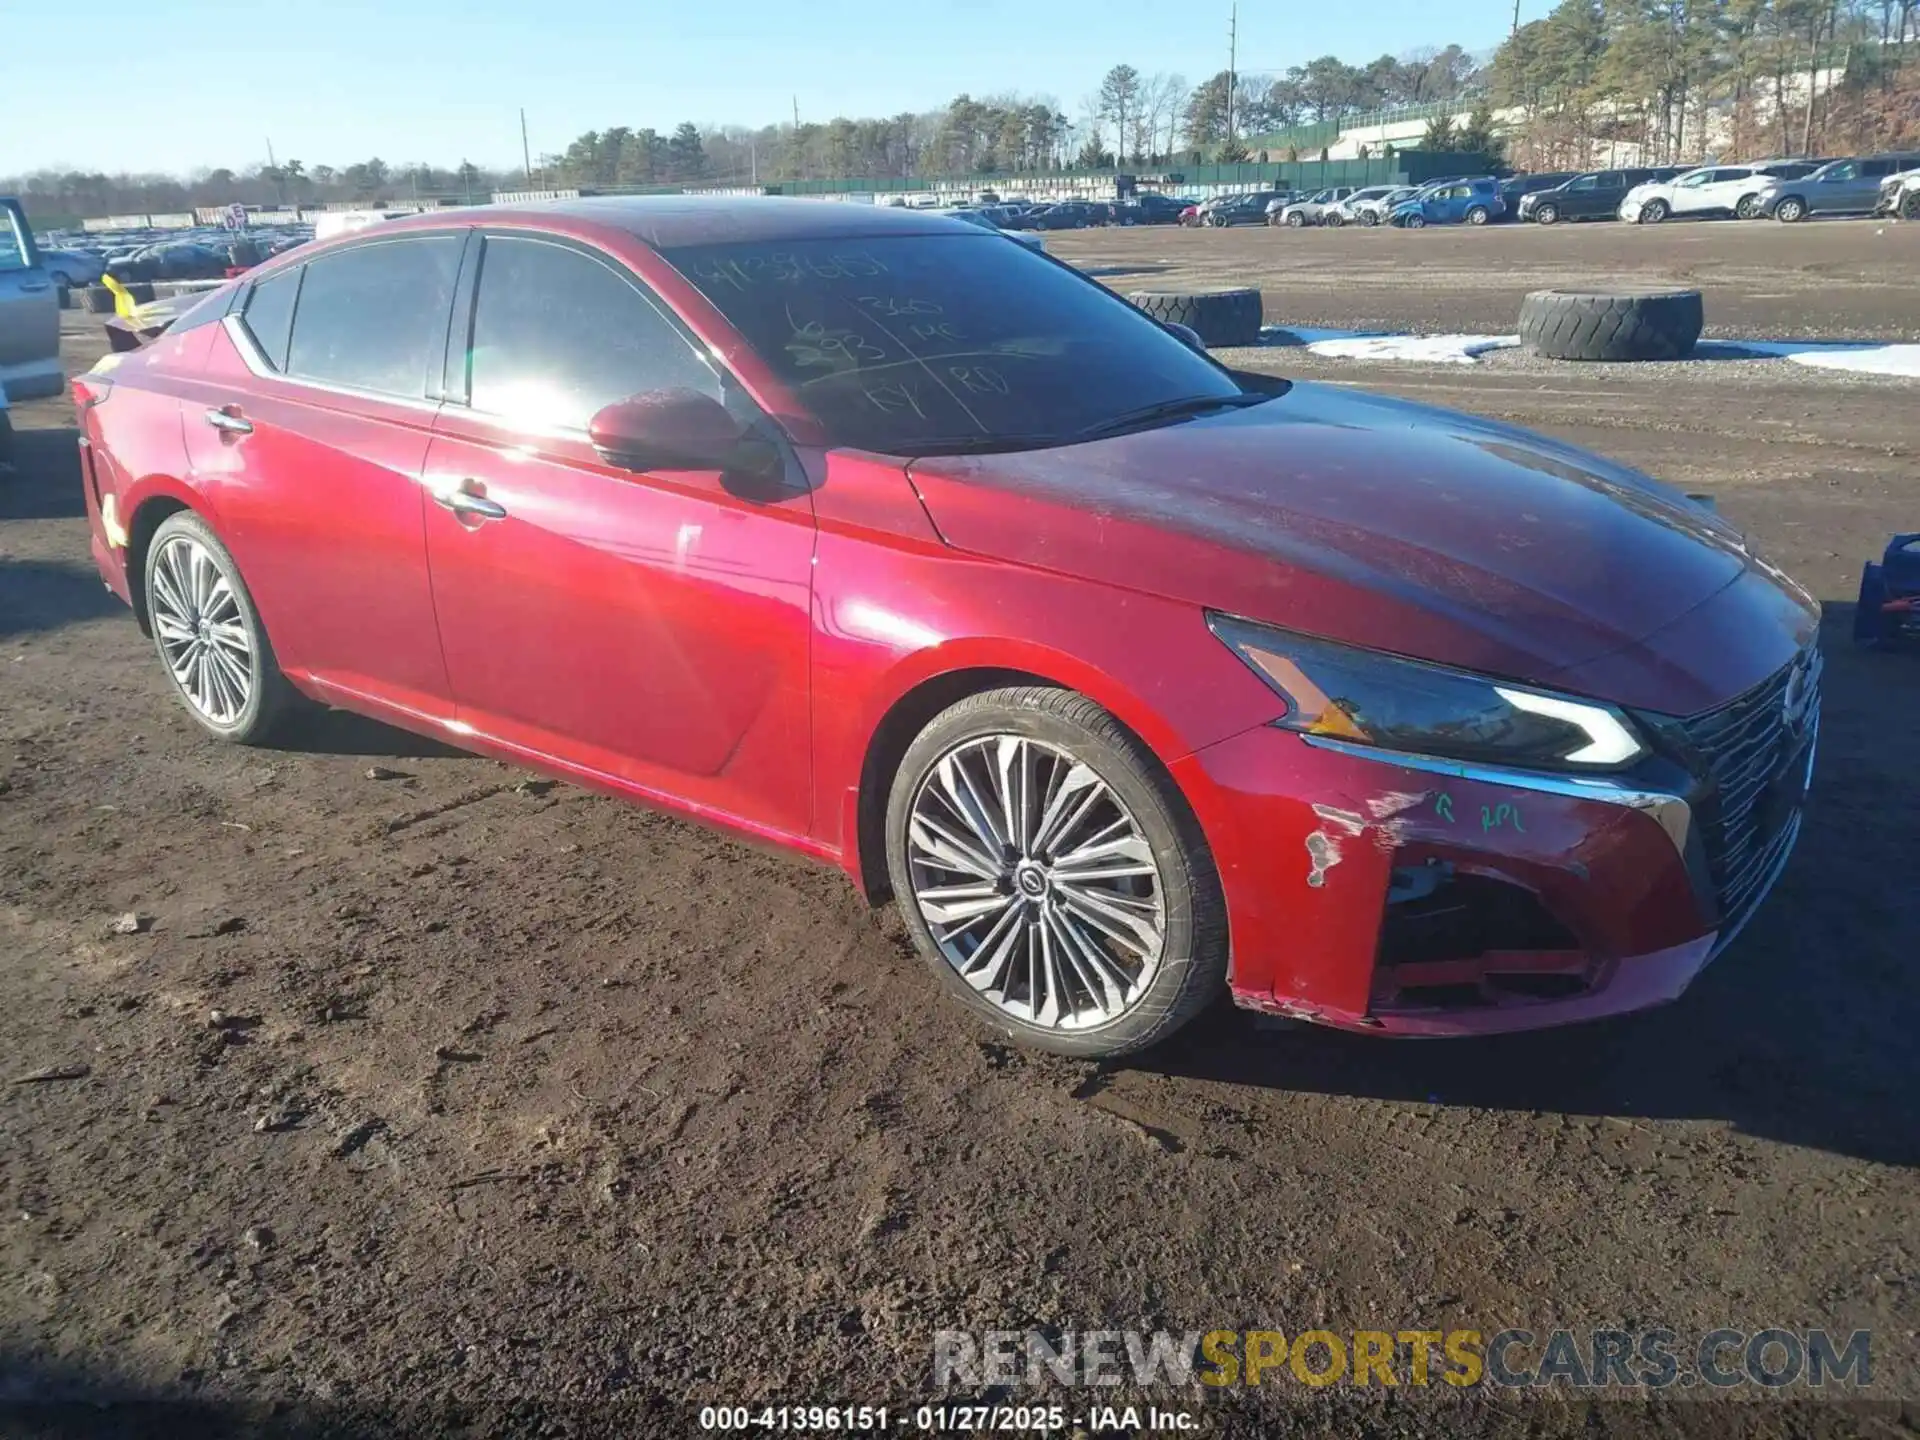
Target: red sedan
[(1131, 677)]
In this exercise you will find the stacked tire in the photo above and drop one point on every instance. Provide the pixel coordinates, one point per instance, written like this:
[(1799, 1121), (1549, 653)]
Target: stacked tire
[(1611, 325), (1218, 317)]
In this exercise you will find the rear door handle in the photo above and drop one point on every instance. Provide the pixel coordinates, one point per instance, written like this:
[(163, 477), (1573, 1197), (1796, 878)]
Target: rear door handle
[(462, 500), (227, 422)]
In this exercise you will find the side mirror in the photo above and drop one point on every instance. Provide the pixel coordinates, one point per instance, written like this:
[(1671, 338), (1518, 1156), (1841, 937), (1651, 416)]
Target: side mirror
[(666, 430), (1186, 335)]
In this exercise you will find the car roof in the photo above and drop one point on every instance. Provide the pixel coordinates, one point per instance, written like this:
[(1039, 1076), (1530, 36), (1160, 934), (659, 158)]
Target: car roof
[(666, 221)]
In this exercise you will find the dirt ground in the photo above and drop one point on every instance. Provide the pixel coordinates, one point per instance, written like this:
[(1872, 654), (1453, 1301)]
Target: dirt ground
[(431, 1096)]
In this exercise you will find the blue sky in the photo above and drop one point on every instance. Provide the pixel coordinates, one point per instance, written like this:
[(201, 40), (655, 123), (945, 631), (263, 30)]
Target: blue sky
[(185, 83)]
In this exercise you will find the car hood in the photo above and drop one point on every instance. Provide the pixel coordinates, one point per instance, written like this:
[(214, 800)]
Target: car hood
[(1367, 520)]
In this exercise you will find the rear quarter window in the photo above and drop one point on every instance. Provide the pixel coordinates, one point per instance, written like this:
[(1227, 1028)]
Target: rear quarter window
[(269, 315)]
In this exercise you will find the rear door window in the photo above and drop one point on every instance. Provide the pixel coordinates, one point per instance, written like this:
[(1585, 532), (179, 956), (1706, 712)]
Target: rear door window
[(374, 317), (269, 315), (558, 334)]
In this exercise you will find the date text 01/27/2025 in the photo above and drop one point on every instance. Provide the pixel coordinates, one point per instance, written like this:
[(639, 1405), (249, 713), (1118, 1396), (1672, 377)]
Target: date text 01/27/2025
[(943, 1419)]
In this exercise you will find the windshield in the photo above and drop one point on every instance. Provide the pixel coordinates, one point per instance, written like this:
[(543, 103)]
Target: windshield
[(923, 344)]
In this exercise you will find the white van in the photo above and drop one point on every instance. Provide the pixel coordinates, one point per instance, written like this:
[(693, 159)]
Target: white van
[(29, 312)]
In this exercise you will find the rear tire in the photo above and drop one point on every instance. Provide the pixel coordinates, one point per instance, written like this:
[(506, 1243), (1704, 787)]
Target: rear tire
[(1030, 980), (209, 637), (1748, 208), (1478, 215)]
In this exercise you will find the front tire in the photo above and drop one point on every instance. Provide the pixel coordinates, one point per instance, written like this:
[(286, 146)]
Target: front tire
[(1295, 220), (1653, 212), (209, 636), (1790, 210), (1547, 214), (1052, 875), (1415, 221)]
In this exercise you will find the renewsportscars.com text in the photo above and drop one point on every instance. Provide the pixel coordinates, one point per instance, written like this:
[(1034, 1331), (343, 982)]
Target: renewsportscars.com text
[(1654, 1359)]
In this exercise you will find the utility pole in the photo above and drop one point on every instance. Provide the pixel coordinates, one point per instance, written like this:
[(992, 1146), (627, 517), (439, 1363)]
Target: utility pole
[(526, 155), (796, 113), (1516, 17), (1233, 59)]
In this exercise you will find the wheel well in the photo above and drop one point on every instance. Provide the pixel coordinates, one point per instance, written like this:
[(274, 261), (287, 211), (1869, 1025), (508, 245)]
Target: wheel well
[(146, 520), (888, 745)]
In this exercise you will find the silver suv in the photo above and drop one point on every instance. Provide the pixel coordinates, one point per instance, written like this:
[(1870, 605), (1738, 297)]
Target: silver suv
[(1317, 209), (1900, 195), (29, 312), (1840, 187)]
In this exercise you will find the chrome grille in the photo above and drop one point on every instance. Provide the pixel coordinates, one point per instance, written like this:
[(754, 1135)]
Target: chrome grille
[(1752, 753)]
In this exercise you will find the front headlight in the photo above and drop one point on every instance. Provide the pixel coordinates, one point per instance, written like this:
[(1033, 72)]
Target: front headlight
[(1372, 698)]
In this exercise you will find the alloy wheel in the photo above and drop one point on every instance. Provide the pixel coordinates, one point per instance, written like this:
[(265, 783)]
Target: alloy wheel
[(1036, 883), (1546, 214), (202, 631), (1789, 211)]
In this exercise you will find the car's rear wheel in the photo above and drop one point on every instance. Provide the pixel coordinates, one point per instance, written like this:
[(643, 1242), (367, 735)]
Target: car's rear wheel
[(209, 635), (1478, 215), (1052, 875), (1369, 218), (1653, 212), (1748, 207), (1547, 214), (1790, 210)]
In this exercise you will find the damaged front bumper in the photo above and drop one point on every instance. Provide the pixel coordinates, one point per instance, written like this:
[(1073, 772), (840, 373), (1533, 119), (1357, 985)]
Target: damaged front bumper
[(1406, 895)]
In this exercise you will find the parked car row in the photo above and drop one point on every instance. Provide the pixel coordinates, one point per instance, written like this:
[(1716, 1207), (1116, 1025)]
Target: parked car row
[(1789, 190)]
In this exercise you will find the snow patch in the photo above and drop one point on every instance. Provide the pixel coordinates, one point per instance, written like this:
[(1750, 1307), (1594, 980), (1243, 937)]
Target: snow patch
[(1865, 357), (1428, 349), (1861, 357)]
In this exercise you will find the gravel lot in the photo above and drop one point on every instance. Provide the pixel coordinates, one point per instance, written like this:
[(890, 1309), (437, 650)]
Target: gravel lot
[(432, 1095)]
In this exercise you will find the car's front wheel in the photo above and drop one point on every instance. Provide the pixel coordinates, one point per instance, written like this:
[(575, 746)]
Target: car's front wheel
[(1052, 875), (1653, 212), (1790, 210), (1547, 214), (1415, 221), (209, 635), (1295, 219)]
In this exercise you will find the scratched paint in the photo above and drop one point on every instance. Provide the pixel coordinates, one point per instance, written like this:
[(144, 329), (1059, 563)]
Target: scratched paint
[(1323, 853), (1350, 821)]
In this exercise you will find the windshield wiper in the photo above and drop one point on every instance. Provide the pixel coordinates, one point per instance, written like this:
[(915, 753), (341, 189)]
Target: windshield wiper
[(975, 445), (1168, 410)]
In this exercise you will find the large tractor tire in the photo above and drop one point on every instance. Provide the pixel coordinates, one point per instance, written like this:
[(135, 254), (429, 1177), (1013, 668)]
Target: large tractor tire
[(1611, 325), (1218, 317)]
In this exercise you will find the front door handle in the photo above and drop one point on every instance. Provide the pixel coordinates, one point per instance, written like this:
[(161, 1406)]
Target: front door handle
[(228, 421), (462, 500)]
